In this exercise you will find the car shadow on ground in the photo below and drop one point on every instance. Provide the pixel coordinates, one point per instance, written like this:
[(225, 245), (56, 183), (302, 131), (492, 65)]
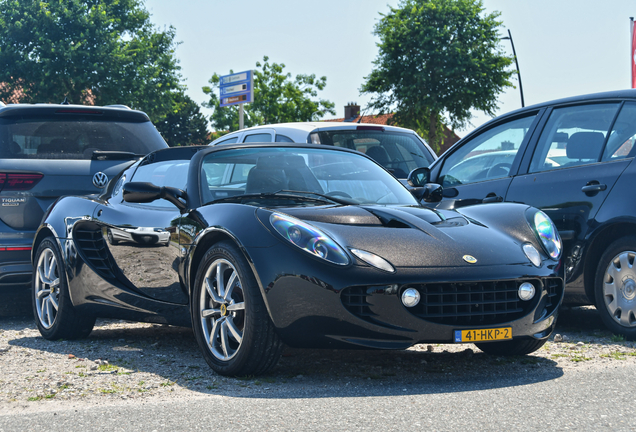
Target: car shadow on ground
[(171, 355)]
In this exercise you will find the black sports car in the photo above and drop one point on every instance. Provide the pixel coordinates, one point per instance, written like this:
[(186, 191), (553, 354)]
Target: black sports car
[(308, 245)]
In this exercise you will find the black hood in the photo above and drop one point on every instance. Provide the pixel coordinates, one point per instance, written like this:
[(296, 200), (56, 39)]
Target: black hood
[(411, 236)]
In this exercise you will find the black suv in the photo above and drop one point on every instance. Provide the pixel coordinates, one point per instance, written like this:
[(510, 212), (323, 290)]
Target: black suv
[(574, 159), (47, 151)]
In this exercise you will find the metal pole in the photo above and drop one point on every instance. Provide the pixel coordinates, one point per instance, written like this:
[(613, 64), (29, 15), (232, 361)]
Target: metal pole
[(241, 113), (514, 53)]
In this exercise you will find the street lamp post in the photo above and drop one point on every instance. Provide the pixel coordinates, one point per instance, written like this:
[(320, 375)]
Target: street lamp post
[(514, 53)]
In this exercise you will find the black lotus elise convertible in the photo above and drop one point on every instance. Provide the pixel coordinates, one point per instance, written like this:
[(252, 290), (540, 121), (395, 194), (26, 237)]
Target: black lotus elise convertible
[(306, 245)]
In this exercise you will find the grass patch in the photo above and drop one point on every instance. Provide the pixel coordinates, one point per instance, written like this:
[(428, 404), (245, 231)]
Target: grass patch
[(617, 338), (559, 355), (34, 398), (212, 387), (167, 384), (580, 358), (41, 370), (615, 355), (107, 367)]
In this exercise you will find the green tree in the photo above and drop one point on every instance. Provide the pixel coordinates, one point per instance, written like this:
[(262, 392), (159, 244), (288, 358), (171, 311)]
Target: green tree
[(437, 60), (185, 125), (91, 51), (277, 99)]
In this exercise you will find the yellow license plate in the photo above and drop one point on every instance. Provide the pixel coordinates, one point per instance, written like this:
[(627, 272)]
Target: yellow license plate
[(483, 335)]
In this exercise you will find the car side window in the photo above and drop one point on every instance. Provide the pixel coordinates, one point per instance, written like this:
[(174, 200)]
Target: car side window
[(262, 137), (173, 173), (487, 156), (573, 136), (620, 143), (228, 141), (283, 138)]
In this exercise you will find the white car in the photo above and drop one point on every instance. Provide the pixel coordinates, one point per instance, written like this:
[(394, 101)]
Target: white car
[(397, 149)]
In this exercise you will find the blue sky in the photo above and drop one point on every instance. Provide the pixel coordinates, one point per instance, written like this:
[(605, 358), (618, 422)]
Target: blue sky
[(564, 47)]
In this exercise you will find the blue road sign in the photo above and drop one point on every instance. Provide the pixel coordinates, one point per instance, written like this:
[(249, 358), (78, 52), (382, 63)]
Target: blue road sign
[(237, 88)]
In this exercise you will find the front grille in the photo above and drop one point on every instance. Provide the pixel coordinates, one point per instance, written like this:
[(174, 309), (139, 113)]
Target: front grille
[(91, 245), (461, 304), (355, 301), (471, 303), (554, 288)]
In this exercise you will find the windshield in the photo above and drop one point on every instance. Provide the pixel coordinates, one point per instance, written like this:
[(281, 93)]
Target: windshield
[(338, 174), (398, 152), (54, 138)]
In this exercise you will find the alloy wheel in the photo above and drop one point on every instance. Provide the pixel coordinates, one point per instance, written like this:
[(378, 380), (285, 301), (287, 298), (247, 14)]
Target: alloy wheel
[(47, 288), (222, 309)]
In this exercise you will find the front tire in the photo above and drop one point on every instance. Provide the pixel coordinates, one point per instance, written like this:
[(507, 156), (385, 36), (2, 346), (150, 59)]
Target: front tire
[(615, 287), (230, 320), (512, 347), (55, 315)]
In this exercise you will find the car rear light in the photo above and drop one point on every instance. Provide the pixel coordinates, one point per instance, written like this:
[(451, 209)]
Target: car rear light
[(12, 249), (375, 128), (18, 181)]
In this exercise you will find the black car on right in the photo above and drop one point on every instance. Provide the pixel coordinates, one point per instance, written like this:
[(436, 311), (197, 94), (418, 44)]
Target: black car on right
[(574, 159)]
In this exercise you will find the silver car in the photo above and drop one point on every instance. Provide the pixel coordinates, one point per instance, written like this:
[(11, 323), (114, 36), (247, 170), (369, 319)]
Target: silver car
[(397, 149)]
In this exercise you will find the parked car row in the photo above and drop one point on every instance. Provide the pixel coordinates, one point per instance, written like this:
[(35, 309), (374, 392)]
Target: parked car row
[(316, 244)]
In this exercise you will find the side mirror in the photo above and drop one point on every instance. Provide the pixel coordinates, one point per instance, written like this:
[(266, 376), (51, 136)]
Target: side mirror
[(144, 192), (430, 192), (419, 177)]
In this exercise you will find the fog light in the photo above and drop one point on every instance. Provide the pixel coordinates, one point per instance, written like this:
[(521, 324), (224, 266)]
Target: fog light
[(410, 297), (526, 291)]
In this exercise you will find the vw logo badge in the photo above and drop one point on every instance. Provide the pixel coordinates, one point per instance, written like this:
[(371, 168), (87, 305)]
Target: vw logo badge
[(100, 180)]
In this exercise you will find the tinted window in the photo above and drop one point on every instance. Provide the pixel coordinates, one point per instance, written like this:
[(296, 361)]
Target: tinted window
[(487, 156), (74, 139), (573, 136), (283, 138), (621, 141), (173, 173), (398, 152), (258, 138), (228, 141)]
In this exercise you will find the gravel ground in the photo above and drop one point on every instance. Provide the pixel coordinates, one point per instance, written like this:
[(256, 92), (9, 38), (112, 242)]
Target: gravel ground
[(132, 361)]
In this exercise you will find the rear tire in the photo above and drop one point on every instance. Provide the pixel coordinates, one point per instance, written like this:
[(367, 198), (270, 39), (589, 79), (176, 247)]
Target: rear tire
[(55, 315), (231, 323), (615, 287), (512, 347)]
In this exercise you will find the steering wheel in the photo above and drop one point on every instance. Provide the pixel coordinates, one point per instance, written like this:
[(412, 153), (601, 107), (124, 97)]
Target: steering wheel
[(338, 194), (499, 170)]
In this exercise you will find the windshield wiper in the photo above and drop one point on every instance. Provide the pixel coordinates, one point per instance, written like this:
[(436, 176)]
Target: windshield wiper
[(292, 194), (114, 155)]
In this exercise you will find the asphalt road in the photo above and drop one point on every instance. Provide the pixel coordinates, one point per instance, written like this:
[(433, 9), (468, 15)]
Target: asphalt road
[(581, 400), (322, 390)]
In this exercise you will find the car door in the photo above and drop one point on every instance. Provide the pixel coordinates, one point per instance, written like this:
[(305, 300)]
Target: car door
[(573, 167), (481, 168), (142, 238)]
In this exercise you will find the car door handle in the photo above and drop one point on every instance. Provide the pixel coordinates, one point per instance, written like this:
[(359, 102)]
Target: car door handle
[(593, 187), (491, 198)]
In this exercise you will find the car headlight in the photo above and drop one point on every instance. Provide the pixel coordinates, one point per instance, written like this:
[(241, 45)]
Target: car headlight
[(308, 238), (548, 234)]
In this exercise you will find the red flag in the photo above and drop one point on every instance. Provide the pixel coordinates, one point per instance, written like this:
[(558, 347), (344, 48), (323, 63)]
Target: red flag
[(633, 59)]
